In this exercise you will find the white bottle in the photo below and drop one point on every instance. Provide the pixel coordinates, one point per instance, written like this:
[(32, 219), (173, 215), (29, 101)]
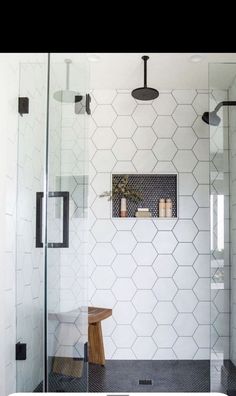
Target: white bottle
[(168, 207), (123, 208), (162, 207)]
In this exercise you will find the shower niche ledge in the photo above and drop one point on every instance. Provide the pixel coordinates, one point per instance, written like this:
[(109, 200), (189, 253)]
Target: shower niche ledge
[(152, 188)]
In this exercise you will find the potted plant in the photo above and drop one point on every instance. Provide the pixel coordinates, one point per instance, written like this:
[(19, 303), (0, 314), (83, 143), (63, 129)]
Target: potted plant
[(125, 191)]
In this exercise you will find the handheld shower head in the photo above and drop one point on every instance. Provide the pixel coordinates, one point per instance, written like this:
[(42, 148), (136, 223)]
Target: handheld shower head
[(211, 118)]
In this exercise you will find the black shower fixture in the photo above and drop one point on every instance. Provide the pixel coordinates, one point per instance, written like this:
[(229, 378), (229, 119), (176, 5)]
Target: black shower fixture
[(145, 93), (212, 118)]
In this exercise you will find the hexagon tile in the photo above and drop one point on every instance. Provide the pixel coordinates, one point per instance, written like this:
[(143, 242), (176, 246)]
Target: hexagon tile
[(144, 161), (144, 231), (164, 127), (124, 104), (165, 312), (184, 138), (164, 149), (144, 301), (104, 115), (165, 242), (184, 115), (144, 137), (165, 265), (124, 149), (165, 105), (124, 127), (144, 115), (165, 336), (104, 138), (144, 254)]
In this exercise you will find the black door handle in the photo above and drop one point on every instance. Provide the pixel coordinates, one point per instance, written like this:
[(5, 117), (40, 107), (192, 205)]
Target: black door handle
[(39, 219)]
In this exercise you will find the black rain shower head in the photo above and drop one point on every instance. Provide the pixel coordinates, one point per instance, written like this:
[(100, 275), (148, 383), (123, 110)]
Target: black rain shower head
[(145, 93), (211, 118)]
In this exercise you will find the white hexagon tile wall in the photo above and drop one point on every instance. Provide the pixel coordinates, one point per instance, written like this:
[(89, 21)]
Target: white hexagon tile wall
[(153, 273)]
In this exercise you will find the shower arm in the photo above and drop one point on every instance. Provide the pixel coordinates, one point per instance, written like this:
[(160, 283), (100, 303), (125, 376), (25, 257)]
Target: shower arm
[(145, 59), (225, 103), (68, 62)]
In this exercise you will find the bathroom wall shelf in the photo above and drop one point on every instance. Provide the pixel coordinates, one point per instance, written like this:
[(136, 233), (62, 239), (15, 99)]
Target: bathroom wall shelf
[(152, 187)]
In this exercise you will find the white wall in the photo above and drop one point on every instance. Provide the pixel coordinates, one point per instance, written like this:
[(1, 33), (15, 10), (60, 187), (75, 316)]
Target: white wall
[(154, 274)]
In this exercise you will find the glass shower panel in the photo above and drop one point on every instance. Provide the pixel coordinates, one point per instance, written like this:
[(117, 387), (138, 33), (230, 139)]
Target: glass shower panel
[(232, 231), (30, 259), (222, 197), (232, 156), (67, 318)]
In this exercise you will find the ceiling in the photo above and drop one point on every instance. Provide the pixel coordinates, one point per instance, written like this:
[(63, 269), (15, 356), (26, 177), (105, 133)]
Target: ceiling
[(165, 71)]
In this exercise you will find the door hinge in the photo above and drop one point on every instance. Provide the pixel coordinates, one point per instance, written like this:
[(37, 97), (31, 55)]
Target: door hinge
[(23, 105), (20, 351)]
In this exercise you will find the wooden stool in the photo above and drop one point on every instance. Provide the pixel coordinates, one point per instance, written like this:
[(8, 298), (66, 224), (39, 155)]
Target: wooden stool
[(96, 348)]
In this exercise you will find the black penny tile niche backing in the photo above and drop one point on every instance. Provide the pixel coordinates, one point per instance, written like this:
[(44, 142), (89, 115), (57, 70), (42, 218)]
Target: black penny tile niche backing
[(152, 188)]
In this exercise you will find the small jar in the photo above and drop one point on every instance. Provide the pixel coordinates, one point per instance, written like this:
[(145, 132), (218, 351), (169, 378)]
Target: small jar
[(162, 207), (168, 207)]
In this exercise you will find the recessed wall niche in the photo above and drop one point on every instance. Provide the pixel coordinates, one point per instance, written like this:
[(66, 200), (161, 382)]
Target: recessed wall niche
[(152, 188)]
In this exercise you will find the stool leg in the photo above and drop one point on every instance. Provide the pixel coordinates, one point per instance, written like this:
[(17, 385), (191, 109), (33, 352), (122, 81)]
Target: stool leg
[(96, 348)]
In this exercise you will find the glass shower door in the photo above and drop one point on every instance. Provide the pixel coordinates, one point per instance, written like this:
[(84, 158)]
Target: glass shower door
[(67, 312), (222, 87), (30, 259), (51, 224)]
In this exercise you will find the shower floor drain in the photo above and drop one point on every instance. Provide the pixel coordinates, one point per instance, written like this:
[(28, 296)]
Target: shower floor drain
[(145, 382)]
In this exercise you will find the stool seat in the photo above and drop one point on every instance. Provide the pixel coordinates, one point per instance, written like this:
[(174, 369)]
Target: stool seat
[(65, 364), (96, 348), (97, 314)]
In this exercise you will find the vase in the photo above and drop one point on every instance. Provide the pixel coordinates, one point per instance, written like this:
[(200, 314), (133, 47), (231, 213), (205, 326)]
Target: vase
[(123, 207)]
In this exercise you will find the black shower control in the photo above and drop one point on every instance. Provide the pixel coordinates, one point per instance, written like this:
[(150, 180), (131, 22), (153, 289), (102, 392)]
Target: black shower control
[(82, 104), (20, 351), (23, 105), (78, 98)]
